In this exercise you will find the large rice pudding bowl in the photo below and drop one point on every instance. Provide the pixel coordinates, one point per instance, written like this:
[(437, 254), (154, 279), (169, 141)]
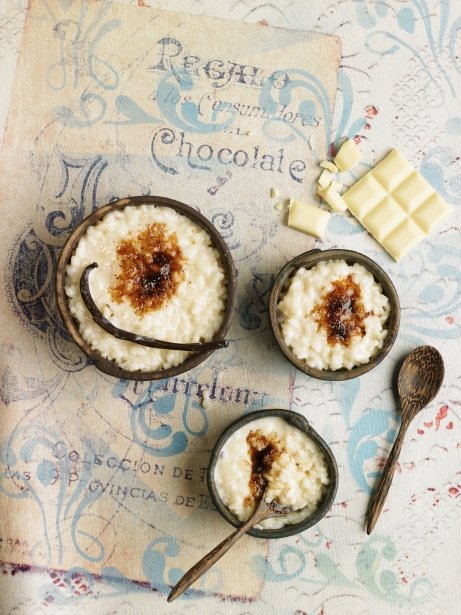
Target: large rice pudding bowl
[(158, 275), (333, 315), (270, 453)]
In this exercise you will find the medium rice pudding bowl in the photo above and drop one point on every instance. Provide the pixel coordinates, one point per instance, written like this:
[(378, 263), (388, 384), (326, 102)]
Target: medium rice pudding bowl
[(269, 451), (158, 275), (333, 315)]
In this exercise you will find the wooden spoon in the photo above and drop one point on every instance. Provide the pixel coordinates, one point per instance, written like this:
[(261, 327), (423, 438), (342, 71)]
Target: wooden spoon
[(264, 510), (419, 381)]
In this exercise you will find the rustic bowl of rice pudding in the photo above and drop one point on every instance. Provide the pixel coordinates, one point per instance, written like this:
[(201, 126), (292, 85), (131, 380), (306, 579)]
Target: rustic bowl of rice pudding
[(275, 453), (335, 314), (146, 288)]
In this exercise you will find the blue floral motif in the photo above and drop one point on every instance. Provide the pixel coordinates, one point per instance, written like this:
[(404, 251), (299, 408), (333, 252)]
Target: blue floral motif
[(79, 40), (291, 561), (375, 554), (346, 101), (382, 42), (371, 563), (437, 291), (349, 127), (276, 95), (81, 498), (406, 20), (452, 43), (78, 55), (51, 478), (224, 221), (154, 405), (172, 88), (80, 179), (155, 563), (253, 308), (133, 113), (441, 168), (347, 393), (92, 108), (162, 576), (362, 447), (34, 254), (194, 417), (31, 284), (368, 12)]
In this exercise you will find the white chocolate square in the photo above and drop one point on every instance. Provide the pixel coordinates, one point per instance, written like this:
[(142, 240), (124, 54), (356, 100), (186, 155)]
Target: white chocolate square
[(391, 171), (396, 204), (430, 212), (364, 195), (412, 192), (307, 218), (348, 156), (403, 238), (383, 218)]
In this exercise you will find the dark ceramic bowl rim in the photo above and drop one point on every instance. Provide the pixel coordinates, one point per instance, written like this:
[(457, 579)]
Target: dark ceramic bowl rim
[(308, 260), (103, 364), (301, 423)]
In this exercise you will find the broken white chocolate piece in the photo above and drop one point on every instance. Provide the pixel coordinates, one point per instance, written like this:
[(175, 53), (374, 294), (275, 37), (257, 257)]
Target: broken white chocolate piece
[(274, 193), (307, 218), (337, 186), (330, 166), (396, 204), (348, 156), (325, 179), (333, 199)]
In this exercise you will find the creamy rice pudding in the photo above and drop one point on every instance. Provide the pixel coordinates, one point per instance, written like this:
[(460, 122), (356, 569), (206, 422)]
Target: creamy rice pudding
[(333, 315), (273, 452), (158, 275)]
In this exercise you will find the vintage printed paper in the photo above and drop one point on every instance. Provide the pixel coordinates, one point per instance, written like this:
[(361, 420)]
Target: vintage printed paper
[(104, 475)]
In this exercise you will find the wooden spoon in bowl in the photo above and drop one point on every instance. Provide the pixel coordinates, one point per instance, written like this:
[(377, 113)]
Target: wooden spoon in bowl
[(419, 381), (264, 510)]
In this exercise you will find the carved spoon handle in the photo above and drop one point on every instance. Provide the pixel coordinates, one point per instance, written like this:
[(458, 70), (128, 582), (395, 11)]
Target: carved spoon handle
[(385, 480), (215, 554)]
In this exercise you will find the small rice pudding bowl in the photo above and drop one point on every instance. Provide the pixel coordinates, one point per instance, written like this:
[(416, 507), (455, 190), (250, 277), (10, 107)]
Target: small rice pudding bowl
[(277, 454), (158, 274), (333, 314)]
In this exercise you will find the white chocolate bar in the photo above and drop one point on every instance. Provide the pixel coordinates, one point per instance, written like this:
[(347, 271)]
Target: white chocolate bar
[(307, 218), (348, 156), (396, 204)]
